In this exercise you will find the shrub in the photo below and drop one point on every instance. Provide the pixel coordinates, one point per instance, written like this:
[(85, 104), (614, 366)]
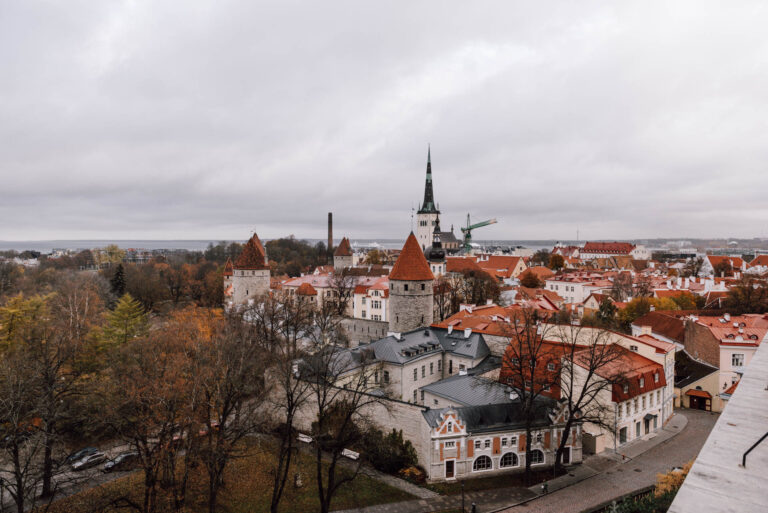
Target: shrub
[(388, 453)]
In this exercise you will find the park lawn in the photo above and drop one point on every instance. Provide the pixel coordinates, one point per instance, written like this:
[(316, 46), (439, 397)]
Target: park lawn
[(492, 482), (248, 490)]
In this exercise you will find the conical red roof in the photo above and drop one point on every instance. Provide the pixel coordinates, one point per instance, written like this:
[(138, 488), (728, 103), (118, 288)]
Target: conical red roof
[(344, 249), (411, 265), (228, 267), (253, 255)]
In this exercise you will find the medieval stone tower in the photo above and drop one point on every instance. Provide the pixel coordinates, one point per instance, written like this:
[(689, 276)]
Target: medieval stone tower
[(343, 255), (428, 212), (250, 272), (410, 289), (228, 272)]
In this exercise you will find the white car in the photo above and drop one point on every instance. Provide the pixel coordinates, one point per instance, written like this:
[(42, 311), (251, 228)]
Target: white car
[(89, 461)]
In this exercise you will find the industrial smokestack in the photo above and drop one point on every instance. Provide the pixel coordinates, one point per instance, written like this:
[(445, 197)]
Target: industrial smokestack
[(330, 235)]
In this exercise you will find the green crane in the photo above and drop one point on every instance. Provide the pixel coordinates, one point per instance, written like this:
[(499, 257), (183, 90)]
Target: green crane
[(467, 244)]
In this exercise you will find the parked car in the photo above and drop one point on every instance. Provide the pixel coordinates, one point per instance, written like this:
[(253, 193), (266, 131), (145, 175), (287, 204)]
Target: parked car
[(89, 461), (80, 454), (123, 461)]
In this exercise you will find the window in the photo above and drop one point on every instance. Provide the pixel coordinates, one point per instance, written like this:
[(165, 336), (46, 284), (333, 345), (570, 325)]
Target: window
[(477, 444), (363, 299), (737, 360), (423, 371), (656, 377), (422, 396), (621, 410), (643, 402), (482, 463), (415, 374), (658, 395), (509, 460), (642, 382), (538, 438), (376, 377), (363, 316), (450, 427), (537, 457), (626, 389), (422, 286), (450, 366), (386, 377), (434, 401), (503, 442), (462, 367), (487, 444), (513, 441), (439, 365), (650, 399), (546, 388), (450, 445), (636, 405), (414, 396), (405, 287), (633, 348), (432, 367), (550, 366)]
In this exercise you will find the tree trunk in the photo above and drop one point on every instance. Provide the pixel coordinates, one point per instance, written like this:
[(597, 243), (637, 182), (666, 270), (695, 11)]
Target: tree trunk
[(47, 467)]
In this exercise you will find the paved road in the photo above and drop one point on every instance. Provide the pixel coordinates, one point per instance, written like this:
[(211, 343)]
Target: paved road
[(630, 476)]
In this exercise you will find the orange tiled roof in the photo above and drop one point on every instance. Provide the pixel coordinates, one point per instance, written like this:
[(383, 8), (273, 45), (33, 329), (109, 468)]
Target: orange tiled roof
[(411, 265), (759, 260), (228, 267), (305, 289), (631, 367), (541, 272), (608, 247), (731, 389), (461, 264), (344, 249), (734, 262), (253, 256)]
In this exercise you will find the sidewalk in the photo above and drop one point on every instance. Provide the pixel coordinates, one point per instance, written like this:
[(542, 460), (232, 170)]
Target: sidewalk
[(490, 501)]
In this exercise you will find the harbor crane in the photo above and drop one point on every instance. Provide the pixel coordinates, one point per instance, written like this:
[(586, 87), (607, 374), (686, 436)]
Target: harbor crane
[(467, 231)]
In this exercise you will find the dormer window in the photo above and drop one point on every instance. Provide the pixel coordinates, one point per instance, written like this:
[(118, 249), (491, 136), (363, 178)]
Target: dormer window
[(642, 382), (450, 427), (656, 377), (633, 348), (626, 389)]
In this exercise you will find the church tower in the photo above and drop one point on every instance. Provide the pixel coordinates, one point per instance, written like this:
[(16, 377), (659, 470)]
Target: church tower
[(250, 272), (428, 212), (410, 289), (435, 254)]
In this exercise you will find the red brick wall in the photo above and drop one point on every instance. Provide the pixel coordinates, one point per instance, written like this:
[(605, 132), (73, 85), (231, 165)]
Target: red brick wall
[(701, 344)]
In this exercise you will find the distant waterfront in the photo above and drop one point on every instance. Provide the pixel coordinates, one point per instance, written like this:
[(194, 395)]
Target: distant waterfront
[(46, 246)]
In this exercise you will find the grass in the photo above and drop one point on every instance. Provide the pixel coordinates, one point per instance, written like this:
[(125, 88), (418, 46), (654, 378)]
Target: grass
[(492, 482), (248, 490)]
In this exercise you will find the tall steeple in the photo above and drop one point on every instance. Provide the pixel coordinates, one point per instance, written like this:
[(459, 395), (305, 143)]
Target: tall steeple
[(428, 207)]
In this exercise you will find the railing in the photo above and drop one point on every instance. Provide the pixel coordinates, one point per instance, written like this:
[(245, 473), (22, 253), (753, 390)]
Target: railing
[(744, 457)]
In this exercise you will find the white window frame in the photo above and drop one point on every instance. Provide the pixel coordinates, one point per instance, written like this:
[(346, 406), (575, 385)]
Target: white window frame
[(484, 469), (543, 457), (517, 459)]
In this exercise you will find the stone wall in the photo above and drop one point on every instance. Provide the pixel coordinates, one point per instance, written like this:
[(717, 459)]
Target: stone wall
[(364, 330), (412, 308)]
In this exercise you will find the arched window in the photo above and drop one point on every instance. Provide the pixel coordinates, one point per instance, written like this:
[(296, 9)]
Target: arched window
[(537, 457), (482, 463), (509, 460)]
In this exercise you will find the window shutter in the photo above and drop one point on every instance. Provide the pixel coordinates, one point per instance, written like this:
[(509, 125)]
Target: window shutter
[(547, 439), (441, 451), (496, 445), (521, 445), (470, 448)]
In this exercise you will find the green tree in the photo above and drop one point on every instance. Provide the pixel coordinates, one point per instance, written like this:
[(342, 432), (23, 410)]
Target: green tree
[(556, 262), (118, 281), (127, 321)]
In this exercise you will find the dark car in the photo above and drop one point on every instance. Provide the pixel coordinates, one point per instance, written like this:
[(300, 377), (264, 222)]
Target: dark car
[(122, 461), (89, 461), (79, 455)]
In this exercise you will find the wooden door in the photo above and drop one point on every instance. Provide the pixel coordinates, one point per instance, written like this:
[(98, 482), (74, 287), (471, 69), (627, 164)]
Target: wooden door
[(449, 469)]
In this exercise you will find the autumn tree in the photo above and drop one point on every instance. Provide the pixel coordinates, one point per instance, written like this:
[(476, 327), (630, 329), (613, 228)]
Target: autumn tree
[(749, 295), (541, 257), (530, 280), (477, 287), (524, 367), (589, 368), (341, 412), (342, 285), (127, 321), (693, 267), (375, 257), (621, 290), (723, 268), (556, 262)]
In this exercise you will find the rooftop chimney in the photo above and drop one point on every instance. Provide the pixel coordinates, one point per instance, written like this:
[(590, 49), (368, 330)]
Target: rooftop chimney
[(467, 332), (330, 236)]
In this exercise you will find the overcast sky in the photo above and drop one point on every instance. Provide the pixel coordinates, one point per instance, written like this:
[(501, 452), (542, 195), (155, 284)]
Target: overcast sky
[(208, 120)]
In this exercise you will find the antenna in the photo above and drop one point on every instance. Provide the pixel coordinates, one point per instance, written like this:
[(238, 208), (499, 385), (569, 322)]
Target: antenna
[(412, 209)]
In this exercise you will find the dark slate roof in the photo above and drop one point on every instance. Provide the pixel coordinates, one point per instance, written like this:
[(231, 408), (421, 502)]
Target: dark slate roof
[(466, 390), (495, 417), (490, 363), (418, 343), (688, 370), (448, 237)]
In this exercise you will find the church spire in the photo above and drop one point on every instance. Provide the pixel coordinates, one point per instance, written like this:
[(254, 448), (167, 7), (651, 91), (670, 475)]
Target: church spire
[(428, 207)]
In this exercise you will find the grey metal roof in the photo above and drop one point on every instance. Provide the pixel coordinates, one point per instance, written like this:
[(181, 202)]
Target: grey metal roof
[(421, 342), (495, 417), (688, 370), (469, 390)]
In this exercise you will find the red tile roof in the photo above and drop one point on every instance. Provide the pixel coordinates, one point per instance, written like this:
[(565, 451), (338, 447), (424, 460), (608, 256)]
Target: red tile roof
[(541, 272), (623, 248), (411, 265), (253, 256), (666, 325), (461, 264), (344, 249), (759, 260), (699, 393), (305, 289), (631, 366), (228, 267), (733, 262), (731, 389)]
